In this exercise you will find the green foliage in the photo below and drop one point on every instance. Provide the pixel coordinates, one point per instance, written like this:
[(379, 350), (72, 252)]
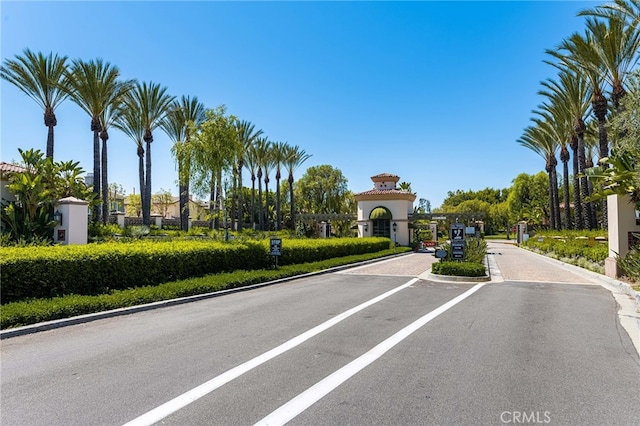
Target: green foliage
[(34, 311), (459, 269), (475, 250), (630, 264), (323, 189), (528, 198), (43, 272), (586, 249)]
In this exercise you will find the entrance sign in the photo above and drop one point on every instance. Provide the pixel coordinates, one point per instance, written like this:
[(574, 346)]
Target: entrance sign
[(457, 231), (457, 240)]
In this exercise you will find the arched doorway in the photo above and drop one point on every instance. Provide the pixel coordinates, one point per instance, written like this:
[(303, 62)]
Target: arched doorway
[(380, 218)]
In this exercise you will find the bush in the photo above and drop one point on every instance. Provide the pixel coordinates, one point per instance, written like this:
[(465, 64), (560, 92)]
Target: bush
[(45, 272), (459, 269)]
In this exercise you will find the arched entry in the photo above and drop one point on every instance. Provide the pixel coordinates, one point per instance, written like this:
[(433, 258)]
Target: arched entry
[(380, 218)]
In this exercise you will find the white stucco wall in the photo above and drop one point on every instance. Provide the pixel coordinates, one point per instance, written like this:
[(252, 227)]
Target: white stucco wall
[(399, 211)]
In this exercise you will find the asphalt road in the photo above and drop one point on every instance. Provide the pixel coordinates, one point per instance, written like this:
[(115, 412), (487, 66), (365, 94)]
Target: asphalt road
[(371, 346)]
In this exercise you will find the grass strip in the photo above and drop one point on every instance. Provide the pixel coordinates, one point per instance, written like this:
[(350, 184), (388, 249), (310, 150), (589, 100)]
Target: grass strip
[(38, 310)]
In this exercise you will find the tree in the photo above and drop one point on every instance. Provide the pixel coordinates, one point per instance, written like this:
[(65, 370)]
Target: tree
[(94, 86), (37, 190), (529, 197), (215, 144), (294, 159), (134, 205), (539, 141), (247, 135), (322, 189), (161, 201), (153, 102), (279, 157), (176, 126), (627, 10), (42, 79), (130, 122), (261, 150)]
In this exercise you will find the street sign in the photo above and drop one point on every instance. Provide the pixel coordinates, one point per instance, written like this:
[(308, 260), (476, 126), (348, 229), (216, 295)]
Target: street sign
[(276, 247)]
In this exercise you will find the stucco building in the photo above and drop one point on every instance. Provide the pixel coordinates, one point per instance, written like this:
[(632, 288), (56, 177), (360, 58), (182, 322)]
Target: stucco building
[(384, 210)]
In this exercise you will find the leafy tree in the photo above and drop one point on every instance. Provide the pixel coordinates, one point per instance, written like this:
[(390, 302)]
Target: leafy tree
[(30, 217), (42, 79), (322, 189), (161, 201), (529, 197), (215, 144), (134, 205)]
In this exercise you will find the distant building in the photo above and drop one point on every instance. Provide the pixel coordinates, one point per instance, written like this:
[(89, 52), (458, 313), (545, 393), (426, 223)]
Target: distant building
[(384, 210)]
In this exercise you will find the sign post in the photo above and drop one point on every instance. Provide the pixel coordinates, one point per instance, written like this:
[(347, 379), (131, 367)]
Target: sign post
[(276, 249), (457, 240)]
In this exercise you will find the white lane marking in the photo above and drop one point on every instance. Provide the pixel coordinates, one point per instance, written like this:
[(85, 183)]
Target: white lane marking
[(198, 392), (309, 397)]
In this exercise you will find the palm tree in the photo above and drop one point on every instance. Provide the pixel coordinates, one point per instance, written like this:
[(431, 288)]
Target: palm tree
[(176, 126), (153, 102), (261, 152), (560, 109), (108, 117), (628, 10), (42, 79), (129, 121), (579, 87), (294, 159), (541, 143), (251, 163), (279, 152), (93, 86), (246, 137)]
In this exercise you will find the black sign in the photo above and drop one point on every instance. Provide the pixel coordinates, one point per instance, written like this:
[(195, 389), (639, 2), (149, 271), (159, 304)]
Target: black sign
[(457, 249), (457, 231), (276, 247)]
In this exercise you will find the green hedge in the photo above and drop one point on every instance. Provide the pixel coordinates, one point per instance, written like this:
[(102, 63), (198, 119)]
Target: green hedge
[(460, 269), (33, 311), (45, 272)]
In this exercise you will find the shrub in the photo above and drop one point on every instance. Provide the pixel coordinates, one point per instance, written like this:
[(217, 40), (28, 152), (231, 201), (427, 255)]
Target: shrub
[(459, 269)]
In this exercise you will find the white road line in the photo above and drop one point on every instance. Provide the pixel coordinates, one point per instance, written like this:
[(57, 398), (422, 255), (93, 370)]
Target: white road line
[(198, 392), (309, 397)]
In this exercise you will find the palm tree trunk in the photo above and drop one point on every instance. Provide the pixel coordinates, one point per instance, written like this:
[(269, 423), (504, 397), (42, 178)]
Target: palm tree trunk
[(556, 199), (267, 226), (260, 210), (146, 220), (253, 196), (565, 183), (183, 196), (240, 196), (577, 199), (278, 200), (143, 202), (96, 128), (293, 209), (105, 182), (50, 121), (580, 128), (552, 210)]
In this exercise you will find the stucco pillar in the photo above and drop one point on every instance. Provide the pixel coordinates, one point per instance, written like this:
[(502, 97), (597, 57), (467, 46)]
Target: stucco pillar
[(621, 221), (74, 225)]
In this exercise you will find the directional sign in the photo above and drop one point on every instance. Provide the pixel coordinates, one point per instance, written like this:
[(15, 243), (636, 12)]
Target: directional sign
[(276, 247)]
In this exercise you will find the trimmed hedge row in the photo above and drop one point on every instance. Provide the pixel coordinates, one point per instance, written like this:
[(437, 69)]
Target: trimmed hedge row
[(34, 311), (45, 272)]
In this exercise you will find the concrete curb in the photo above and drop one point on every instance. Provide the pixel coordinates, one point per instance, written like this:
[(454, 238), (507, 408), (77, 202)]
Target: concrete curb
[(82, 319)]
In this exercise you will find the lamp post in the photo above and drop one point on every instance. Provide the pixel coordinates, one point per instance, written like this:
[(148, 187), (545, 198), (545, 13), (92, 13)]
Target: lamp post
[(395, 240)]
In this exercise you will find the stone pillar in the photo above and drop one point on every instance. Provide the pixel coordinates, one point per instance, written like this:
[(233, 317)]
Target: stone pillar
[(621, 216), (74, 224), (119, 219)]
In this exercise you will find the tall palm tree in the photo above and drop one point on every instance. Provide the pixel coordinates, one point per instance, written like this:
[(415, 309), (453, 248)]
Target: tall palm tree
[(176, 125), (109, 116), (41, 78), (294, 159), (575, 92), (153, 102), (247, 134), (93, 86), (629, 10), (279, 152), (129, 121), (262, 147), (251, 163), (541, 143)]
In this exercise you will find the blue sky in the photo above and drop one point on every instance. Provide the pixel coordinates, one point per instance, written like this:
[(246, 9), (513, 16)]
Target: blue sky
[(435, 92)]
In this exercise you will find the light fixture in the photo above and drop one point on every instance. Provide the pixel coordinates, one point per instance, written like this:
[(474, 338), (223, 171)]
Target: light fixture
[(366, 227), (57, 216), (395, 226)]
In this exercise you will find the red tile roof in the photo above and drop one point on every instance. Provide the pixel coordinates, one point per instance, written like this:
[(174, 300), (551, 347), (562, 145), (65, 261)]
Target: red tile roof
[(11, 168)]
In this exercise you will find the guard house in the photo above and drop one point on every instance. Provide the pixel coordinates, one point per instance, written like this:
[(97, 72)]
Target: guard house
[(384, 210)]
